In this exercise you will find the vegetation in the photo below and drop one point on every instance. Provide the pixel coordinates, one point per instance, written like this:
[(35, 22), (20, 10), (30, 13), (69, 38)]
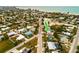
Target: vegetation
[(77, 49), (30, 44), (5, 45)]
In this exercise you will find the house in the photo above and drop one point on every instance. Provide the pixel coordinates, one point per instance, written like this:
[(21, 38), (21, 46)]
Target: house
[(29, 27), (2, 26), (61, 18), (20, 37), (33, 29), (51, 45), (21, 30), (28, 34), (67, 33), (5, 29), (11, 33), (63, 38), (68, 29), (54, 51)]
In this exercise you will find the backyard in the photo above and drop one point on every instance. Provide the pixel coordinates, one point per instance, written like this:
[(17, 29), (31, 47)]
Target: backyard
[(5, 45)]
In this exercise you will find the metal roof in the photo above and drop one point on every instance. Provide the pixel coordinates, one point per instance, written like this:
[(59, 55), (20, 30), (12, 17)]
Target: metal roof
[(28, 33), (51, 45)]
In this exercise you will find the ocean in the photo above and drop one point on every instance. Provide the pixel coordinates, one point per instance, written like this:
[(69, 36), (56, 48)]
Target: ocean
[(62, 9)]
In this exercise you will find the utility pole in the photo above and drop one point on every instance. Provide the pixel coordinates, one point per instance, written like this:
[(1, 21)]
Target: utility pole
[(40, 43)]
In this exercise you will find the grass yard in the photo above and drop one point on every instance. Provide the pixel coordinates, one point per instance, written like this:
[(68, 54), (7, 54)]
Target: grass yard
[(29, 44), (5, 45)]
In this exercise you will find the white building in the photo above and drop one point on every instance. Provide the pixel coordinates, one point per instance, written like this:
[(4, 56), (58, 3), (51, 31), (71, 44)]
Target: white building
[(54, 51), (21, 30), (20, 37), (67, 33), (29, 27), (11, 33), (51, 45), (5, 29)]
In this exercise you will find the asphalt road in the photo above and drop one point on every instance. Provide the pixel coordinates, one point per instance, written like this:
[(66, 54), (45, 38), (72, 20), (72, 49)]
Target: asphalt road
[(75, 43), (39, 45)]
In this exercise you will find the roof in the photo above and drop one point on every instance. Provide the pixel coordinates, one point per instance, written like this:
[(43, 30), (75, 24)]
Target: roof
[(28, 33), (63, 38), (20, 37), (29, 27), (51, 45), (11, 33), (20, 30), (54, 51), (66, 33), (61, 17), (3, 29), (3, 26), (33, 29)]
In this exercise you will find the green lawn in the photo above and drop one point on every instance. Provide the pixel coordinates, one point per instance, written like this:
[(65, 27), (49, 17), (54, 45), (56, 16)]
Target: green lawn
[(5, 45)]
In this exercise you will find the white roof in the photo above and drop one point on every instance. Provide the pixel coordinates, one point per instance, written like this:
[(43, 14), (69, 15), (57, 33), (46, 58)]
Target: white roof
[(67, 33), (47, 19), (5, 28), (11, 33), (54, 51), (51, 45), (20, 37), (28, 27), (61, 17), (21, 29), (68, 29)]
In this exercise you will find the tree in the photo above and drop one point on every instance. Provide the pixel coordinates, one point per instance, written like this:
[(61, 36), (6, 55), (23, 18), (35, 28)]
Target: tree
[(74, 31), (5, 36), (77, 49)]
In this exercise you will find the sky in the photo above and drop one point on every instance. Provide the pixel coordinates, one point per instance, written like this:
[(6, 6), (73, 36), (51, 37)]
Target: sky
[(62, 9)]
